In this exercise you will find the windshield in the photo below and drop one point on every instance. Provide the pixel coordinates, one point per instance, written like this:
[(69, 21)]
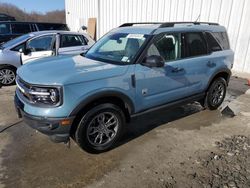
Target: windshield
[(16, 40), (117, 47)]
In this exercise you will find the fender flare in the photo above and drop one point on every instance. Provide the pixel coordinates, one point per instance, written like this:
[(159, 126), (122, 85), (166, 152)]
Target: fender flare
[(223, 70), (127, 100)]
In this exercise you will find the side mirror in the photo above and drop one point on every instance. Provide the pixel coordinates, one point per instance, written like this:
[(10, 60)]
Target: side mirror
[(84, 52), (153, 61), (21, 50), (25, 51), (84, 28)]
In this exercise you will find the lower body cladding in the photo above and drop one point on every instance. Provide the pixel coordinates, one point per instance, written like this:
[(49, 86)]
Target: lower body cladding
[(58, 129)]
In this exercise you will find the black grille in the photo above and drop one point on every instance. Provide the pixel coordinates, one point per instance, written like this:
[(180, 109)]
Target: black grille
[(25, 86)]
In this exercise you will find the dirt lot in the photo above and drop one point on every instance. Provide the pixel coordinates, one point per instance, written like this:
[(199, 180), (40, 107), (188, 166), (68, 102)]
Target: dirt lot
[(181, 147)]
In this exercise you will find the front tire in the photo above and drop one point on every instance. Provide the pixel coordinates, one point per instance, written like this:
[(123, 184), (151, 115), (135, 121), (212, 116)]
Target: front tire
[(100, 128), (7, 76), (216, 94)]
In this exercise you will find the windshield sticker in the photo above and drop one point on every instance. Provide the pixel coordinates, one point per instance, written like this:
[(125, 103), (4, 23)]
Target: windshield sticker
[(125, 59), (135, 36)]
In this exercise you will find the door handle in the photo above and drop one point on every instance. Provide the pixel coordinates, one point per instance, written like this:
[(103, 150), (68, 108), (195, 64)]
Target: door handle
[(211, 64), (177, 69)]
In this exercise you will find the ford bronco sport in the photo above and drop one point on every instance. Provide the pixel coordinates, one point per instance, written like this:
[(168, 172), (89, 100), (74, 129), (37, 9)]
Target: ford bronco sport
[(132, 70)]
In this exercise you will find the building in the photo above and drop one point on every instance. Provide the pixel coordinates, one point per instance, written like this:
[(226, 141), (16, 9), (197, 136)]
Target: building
[(233, 14)]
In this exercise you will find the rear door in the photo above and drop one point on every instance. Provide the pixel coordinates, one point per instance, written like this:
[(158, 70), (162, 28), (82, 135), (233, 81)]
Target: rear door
[(197, 62), (72, 44), (39, 47)]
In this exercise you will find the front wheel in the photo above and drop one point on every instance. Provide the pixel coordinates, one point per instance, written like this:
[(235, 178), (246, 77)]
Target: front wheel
[(7, 76), (216, 94), (100, 128)]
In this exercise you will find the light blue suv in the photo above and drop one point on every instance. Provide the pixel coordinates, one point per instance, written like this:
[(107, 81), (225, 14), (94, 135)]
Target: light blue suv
[(134, 69)]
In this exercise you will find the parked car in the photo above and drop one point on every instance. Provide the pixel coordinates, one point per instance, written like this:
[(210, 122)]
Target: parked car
[(5, 17), (130, 71), (10, 30), (38, 45)]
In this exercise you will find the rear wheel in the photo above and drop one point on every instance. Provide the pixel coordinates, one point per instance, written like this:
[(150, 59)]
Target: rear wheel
[(216, 93), (100, 128), (7, 76)]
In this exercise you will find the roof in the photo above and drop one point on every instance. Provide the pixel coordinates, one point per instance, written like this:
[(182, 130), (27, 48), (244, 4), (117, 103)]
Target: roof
[(159, 27), (142, 29), (54, 32)]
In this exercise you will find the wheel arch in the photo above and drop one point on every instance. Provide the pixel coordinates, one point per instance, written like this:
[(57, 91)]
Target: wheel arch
[(224, 73), (8, 65), (113, 97)]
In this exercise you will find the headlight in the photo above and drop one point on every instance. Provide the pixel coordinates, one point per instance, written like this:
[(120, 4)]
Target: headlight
[(48, 96)]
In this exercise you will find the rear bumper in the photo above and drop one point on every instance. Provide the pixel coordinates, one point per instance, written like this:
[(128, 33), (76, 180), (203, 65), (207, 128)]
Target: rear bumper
[(49, 126)]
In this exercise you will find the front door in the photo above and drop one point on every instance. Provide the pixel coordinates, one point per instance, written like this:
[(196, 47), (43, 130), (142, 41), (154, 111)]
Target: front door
[(39, 47)]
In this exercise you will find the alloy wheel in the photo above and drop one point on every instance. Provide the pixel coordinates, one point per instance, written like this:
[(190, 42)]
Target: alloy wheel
[(102, 129), (7, 76), (217, 94)]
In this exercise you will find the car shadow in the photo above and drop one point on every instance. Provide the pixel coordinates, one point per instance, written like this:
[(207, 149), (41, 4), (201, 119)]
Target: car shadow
[(147, 122)]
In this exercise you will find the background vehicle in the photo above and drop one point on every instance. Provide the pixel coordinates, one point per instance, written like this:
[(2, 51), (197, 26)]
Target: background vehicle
[(130, 71), (38, 45), (5, 17), (10, 30)]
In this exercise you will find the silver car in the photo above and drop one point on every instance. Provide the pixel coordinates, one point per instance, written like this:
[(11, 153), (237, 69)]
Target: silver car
[(37, 45)]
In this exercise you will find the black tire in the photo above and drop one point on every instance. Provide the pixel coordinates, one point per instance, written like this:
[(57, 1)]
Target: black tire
[(216, 94), (86, 138), (11, 72)]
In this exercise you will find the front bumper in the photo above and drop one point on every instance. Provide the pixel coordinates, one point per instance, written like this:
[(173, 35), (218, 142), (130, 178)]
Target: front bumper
[(49, 126)]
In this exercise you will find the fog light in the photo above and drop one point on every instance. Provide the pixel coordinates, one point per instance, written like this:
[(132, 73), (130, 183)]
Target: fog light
[(65, 122)]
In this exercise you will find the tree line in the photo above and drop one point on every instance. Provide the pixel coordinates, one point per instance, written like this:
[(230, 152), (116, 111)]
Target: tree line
[(57, 16)]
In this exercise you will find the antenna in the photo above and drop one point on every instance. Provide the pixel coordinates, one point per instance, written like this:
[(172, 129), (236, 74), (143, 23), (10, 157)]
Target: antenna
[(198, 18)]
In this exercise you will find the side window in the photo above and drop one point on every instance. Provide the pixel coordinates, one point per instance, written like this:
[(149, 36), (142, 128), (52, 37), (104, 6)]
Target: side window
[(44, 43), (168, 47), (213, 43), (222, 38), (195, 45), (71, 40), (4, 28), (17, 48), (20, 28), (47, 26)]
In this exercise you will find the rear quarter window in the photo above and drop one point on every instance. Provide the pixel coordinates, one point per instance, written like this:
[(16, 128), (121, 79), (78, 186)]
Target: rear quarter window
[(213, 43), (222, 38)]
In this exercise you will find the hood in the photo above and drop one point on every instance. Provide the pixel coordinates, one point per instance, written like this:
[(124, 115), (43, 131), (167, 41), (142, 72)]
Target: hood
[(63, 70)]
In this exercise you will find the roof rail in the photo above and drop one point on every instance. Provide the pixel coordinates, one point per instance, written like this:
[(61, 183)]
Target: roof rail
[(139, 23), (172, 24), (166, 24)]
